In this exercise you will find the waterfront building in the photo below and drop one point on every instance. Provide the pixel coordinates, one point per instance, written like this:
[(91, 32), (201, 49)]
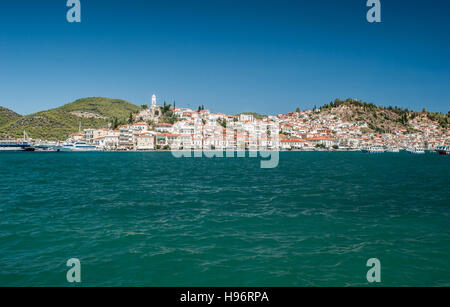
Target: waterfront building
[(91, 134), (169, 139), (145, 140), (111, 140), (126, 137)]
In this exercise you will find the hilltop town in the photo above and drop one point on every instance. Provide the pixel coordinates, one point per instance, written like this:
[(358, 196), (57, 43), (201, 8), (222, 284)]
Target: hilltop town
[(341, 125)]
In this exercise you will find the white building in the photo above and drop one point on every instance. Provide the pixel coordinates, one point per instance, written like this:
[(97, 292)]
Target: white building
[(145, 141), (164, 127), (126, 137), (246, 118)]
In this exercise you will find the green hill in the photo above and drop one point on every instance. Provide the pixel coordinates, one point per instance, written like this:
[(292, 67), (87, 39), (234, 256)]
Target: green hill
[(7, 116), (382, 119), (59, 123)]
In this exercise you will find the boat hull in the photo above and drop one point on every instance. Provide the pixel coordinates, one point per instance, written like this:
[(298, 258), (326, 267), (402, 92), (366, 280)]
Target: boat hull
[(16, 148), (372, 151), (443, 152)]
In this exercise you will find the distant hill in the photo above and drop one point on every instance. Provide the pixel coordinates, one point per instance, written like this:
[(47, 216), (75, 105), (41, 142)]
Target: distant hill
[(255, 115), (59, 123), (7, 116), (382, 119)]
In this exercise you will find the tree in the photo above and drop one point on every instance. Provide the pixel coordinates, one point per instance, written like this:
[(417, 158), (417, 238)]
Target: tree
[(114, 123), (165, 109), (144, 107), (404, 118), (130, 119), (297, 110)]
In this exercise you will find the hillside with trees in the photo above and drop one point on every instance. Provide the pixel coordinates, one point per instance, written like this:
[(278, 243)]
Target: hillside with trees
[(7, 116), (59, 123), (382, 119)]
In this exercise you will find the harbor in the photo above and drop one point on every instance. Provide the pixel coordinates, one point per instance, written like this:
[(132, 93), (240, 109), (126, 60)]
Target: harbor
[(173, 128)]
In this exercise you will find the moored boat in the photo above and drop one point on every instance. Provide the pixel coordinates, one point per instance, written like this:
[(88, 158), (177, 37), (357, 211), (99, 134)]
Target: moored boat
[(373, 149), (14, 145), (76, 146), (443, 150), (392, 149), (415, 150)]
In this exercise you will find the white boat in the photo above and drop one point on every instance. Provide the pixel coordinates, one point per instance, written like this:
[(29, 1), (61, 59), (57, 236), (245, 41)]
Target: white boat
[(415, 150), (373, 149), (392, 149), (76, 146)]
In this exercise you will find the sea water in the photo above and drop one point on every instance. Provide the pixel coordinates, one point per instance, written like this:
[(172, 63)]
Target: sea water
[(150, 219)]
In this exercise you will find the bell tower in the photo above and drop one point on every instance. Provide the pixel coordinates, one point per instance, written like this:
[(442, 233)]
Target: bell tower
[(153, 101)]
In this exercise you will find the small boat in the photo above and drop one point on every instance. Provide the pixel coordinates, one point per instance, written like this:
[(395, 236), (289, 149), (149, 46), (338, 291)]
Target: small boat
[(373, 149), (443, 150), (415, 150)]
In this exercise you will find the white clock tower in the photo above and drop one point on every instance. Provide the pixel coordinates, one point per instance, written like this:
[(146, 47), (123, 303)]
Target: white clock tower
[(153, 101)]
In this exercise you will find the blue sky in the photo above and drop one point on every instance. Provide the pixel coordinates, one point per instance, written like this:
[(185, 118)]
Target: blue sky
[(228, 55)]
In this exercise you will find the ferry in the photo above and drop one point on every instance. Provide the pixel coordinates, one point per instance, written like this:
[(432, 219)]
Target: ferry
[(16, 145), (373, 149), (13, 145), (415, 150), (77, 146), (443, 150)]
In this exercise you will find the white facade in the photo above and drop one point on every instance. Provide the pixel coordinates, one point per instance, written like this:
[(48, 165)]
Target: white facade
[(145, 141)]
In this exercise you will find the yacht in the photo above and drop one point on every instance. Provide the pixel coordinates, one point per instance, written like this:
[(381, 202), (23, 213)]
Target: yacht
[(392, 149), (373, 149), (76, 146), (415, 150)]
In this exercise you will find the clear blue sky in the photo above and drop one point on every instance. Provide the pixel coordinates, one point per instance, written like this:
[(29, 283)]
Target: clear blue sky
[(229, 55)]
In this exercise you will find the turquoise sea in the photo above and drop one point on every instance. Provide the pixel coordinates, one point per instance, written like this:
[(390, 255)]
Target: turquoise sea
[(149, 219)]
